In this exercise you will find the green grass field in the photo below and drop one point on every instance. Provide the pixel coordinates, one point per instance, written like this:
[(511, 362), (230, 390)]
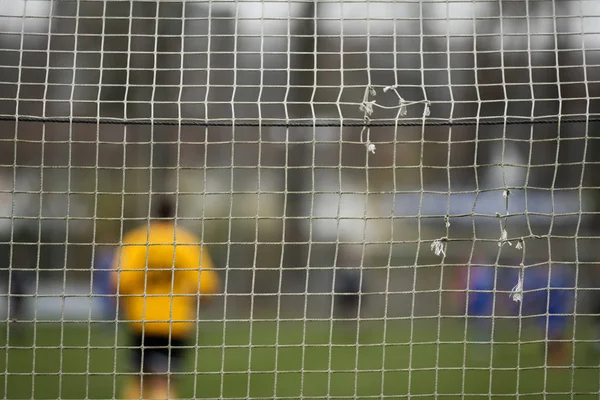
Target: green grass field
[(296, 360)]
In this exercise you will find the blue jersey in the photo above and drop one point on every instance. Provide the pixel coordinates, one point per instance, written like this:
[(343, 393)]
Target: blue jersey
[(477, 286), (102, 283), (548, 296), (481, 291)]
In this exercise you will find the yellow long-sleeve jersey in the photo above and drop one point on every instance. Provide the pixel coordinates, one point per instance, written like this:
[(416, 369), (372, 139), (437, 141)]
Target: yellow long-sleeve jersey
[(159, 272)]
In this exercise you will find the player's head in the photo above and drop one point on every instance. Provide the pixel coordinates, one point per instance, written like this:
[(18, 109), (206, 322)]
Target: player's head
[(348, 281), (348, 289), (164, 208)]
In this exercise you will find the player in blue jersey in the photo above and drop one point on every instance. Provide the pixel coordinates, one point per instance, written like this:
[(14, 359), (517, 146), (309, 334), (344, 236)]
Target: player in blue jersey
[(476, 299), (548, 298)]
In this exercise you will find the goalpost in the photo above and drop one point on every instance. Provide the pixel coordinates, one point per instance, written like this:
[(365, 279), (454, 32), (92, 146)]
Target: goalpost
[(400, 197)]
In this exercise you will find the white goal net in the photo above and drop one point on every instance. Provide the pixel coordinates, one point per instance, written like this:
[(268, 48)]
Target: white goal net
[(399, 198)]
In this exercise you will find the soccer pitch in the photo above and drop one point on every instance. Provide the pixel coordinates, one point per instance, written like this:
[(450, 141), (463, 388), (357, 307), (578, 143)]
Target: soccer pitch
[(296, 359)]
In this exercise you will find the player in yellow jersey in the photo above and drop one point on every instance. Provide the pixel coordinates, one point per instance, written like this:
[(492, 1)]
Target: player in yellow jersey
[(159, 273)]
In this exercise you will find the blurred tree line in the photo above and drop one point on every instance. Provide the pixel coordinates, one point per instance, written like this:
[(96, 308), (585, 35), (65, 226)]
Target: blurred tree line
[(208, 61)]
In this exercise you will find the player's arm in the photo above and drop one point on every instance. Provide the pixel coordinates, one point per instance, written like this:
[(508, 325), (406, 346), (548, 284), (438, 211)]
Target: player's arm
[(127, 272), (209, 279), (128, 266), (197, 270)]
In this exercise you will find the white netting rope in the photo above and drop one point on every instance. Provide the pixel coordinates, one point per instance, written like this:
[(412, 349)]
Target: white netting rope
[(391, 206)]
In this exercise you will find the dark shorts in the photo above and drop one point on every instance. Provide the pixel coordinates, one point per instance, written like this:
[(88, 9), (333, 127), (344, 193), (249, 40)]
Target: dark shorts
[(156, 354)]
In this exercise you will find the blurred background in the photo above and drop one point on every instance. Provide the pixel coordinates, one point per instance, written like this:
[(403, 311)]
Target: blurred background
[(279, 207)]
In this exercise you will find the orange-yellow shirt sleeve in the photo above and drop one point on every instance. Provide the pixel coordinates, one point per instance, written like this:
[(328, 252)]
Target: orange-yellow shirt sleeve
[(129, 263), (209, 279), (197, 267)]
